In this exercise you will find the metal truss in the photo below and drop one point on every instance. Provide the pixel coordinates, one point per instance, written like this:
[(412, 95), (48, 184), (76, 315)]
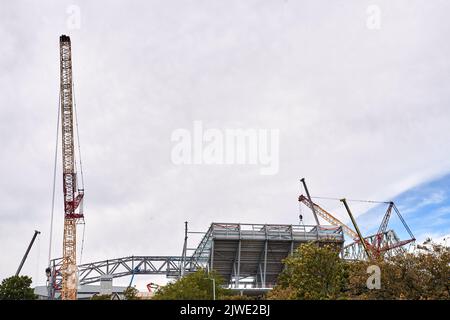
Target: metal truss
[(252, 254), (355, 250), (170, 266)]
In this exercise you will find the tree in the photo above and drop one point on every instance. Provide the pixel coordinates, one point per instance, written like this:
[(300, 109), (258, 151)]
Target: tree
[(422, 274), (101, 297), (194, 286), (130, 293), (312, 272), (17, 288)]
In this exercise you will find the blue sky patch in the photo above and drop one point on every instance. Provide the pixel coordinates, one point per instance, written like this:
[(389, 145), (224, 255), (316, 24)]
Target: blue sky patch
[(425, 208)]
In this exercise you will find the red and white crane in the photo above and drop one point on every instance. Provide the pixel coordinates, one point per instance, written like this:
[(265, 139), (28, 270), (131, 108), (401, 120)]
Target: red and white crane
[(73, 197), (374, 246)]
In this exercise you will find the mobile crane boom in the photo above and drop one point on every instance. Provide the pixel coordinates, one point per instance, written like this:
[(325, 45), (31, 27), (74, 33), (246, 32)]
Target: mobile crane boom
[(26, 252)]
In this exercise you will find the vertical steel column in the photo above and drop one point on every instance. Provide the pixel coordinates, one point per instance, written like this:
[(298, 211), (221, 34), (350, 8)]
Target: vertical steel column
[(183, 259), (292, 240), (265, 264), (234, 272), (260, 272), (51, 280), (212, 255), (238, 264), (239, 261)]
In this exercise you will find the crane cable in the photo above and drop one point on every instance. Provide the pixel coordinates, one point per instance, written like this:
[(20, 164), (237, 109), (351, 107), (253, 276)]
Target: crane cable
[(404, 222), (82, 243), (81, 164), (78, 136), (300, 214), (352, 200), (38, 256), (378, 202), (54, 184)]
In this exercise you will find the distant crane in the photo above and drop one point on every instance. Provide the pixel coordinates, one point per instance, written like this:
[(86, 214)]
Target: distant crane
[(382, 241), (26, 252), (73, 197), (373, 246), (153, 286), (135, 270), (327, 216)]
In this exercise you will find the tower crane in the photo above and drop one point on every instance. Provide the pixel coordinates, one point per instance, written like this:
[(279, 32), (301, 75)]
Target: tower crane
[(73, 197)]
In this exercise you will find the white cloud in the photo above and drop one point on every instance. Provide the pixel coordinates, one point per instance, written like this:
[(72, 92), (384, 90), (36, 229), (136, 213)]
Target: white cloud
[(436, 197)]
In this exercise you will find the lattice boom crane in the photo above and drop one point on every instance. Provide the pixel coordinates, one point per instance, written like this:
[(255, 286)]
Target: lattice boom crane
[(328, 216), (72, 196), (374, 246)]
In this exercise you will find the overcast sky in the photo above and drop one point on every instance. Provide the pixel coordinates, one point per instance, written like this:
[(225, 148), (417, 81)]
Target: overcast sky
[(362, 109)]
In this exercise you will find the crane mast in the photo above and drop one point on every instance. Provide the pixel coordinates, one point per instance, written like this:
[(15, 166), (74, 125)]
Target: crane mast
[(72, 196)]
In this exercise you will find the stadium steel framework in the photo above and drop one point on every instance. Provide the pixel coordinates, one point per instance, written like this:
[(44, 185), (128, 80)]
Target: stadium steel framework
[(253, 253), (244, 254)]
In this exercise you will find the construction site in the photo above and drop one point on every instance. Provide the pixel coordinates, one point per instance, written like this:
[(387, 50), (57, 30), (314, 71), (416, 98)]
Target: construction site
[(224, 159), (248, 256)]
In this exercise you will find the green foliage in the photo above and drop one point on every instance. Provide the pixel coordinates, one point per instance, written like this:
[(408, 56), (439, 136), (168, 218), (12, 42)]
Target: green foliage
[(101, 297), (130, 293), (240, 297), (194, 286), (281, 292), (17, 288), (420, 275), (312, 272)]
